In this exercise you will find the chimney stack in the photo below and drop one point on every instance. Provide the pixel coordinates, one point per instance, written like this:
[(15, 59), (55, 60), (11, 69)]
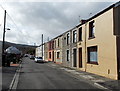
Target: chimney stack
[(82, 21)]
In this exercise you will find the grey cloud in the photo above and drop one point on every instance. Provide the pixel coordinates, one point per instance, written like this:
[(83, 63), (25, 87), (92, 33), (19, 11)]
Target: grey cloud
[(50, 19)]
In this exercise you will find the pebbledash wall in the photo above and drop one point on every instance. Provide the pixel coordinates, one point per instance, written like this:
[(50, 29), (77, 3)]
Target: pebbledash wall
[(58, 49), (92, 46)]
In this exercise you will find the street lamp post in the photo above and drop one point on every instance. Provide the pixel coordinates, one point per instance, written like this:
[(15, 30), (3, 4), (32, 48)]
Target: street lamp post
[(3, 43)]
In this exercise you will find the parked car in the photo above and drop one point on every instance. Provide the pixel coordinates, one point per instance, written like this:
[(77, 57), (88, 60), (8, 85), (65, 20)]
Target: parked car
[(26, 55), (31, 57), (39, 59)]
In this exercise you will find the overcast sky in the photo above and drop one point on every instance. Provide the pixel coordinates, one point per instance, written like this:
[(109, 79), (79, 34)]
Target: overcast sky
[(32, 19)]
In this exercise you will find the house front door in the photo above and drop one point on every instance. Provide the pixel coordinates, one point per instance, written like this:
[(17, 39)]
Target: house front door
[(80, 57), (74, 57)]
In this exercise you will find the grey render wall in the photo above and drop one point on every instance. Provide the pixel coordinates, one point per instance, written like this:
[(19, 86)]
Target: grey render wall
[(66, 47), (58, 49)]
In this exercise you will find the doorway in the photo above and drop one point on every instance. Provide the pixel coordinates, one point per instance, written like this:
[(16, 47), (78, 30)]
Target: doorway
[(53, 56), (74, 57), (80, 57)]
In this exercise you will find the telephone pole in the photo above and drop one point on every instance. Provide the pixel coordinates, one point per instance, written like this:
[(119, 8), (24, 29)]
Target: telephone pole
[(3, 43)]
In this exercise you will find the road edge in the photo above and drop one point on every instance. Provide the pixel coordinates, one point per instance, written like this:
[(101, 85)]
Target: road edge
[(15, 79)]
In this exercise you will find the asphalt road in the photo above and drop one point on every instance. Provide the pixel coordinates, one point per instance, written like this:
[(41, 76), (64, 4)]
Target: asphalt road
[(44, 76), (0, 59), (0, 78)]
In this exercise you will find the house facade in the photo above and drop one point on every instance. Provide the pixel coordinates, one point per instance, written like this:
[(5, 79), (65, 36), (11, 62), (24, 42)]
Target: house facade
[(58, 49), (51, 50), (46, 51), (66, 49), (93, 45), (38, 52)]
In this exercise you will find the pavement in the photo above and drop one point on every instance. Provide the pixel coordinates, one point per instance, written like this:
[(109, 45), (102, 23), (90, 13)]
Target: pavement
[(8, 75), (103, 82)]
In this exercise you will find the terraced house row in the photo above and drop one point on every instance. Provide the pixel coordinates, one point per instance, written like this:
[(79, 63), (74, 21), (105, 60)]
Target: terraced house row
[(92, 46)]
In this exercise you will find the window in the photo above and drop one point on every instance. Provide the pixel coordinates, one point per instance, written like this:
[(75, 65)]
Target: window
[(49, 45), (68, 38), (46, 55), (68, 55), (74, 36), (52, 45), (58, 42), (80, 34), (55, 44), (91, 29), (58, 54), (92, 55), (49, 54)]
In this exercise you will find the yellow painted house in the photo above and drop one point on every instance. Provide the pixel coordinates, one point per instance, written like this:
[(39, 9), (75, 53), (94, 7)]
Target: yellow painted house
[(99, 43)]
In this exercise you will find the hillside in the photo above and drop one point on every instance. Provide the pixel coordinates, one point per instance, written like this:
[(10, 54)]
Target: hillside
[(21, 47)]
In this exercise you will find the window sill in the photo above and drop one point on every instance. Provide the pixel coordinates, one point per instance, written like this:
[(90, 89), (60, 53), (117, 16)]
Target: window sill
[(96, 63), (91, 37)]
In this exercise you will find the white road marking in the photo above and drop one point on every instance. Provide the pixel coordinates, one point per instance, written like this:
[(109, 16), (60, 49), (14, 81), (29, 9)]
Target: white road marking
[(101, 86), (98, 80), (15, 79)]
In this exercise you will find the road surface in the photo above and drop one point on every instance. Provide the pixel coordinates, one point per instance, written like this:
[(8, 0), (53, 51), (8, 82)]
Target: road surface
[(45, 76)]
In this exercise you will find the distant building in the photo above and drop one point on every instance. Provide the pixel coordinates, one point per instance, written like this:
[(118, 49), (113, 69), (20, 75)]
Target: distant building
[(38, 51)]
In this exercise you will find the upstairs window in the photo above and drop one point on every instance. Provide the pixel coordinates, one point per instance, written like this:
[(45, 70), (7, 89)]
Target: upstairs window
[(80, 34), (68, 38), (92, 55), (55, 44), (91, 29), (52, 44), (74, 36), (58, 42)]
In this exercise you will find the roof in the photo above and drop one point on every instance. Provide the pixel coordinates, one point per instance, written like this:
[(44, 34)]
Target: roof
[(96, 15)]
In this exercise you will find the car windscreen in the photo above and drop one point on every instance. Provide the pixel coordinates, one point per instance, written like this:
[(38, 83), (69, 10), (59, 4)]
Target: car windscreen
[(39, 57)]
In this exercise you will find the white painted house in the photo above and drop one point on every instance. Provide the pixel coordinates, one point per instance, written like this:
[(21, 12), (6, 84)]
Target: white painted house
[(38, 51)]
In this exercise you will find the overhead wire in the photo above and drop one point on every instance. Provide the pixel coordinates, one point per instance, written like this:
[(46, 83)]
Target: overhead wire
[(19, 30)]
